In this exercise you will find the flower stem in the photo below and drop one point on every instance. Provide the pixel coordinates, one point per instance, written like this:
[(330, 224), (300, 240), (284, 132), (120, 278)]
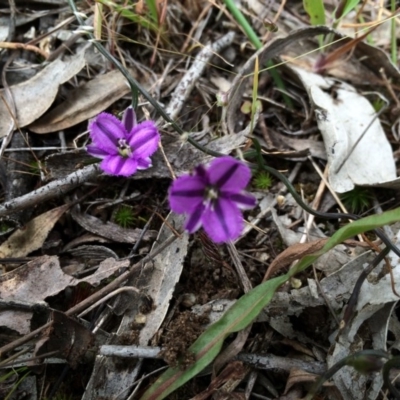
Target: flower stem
[(135, 86), (252, 36)]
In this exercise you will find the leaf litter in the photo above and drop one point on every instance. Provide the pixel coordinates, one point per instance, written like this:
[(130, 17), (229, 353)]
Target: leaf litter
[(184, 291)]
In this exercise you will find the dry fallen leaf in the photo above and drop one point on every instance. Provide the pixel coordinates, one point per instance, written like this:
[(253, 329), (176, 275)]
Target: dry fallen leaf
[(293, 253), (43, 277), (32, 236), (347, 123), (69, 338), (157, 282), (233, 120), (35, 96), (110, 230), (84, 102), (299, 376), (166, 269), (182, 156), (226, 382)]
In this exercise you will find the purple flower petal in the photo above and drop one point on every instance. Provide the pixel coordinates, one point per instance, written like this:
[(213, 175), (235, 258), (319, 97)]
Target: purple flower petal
[(213, 197), (224, 222), (229, 174), (244, 201), (97, 152), (186, 194), (129, 119), (105, 130), (119, 166), (124, 146), (202, 173), (194, 222), (144, 139), (144, 163)]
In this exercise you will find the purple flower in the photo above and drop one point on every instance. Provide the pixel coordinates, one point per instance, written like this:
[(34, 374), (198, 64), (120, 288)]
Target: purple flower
[(124, 146), (213, 197)]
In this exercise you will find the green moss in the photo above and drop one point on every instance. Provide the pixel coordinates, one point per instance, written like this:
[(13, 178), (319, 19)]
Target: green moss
[(6, 226), (124, 217), (357, 200), (262, 180), (35, 167)]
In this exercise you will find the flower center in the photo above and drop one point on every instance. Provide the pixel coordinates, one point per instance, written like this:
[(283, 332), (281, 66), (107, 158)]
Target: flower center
[(210, 195), (124, 150)]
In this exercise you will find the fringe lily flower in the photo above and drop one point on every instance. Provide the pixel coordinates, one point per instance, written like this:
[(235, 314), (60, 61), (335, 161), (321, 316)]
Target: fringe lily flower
[(124, 146), (213, 197)]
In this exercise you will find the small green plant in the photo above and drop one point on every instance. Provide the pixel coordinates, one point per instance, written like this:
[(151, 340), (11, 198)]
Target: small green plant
[(209, 344), (254, 39), (18, 379), (262, 180), (149, 19), (357, 200), (316, 12), (393, 36), (7, 225), (378, 104), (35, 167), (124, 217), (343, 8)]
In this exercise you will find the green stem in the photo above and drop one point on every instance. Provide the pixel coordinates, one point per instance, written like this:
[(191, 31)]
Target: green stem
[(393, 37), (136, 86), (319, 214), (349, 360), (393, 363), (261, 165), (252, 36)]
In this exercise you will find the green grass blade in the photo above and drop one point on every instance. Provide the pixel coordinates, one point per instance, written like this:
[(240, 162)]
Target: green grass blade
[(15, 386), (247, 308), (255, 104), (128, 13), (393, 36), (345, 8), (252, 36), (152, 6), (315, 10), (242, 21), (208, 345)]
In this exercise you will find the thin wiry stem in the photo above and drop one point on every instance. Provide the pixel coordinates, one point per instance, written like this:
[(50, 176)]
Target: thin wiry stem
[(135, 86)]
